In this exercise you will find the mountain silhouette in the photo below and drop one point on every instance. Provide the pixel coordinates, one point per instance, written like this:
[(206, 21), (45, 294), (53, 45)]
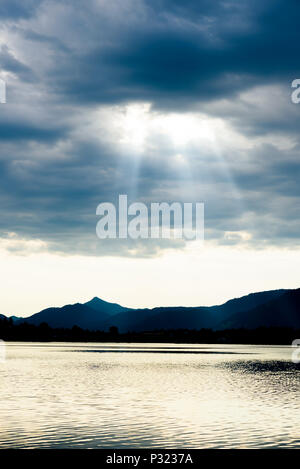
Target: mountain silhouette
[(280, 312), (269, 308), (197, 317), (91, 315), (104, 306)]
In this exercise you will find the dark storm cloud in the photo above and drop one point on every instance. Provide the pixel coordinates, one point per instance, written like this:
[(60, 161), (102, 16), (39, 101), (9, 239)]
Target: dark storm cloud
[(56, 200), (63, 60), (10, 64), (182, 54), (14, 9), (22, 131), (172, 53), (54, 44)]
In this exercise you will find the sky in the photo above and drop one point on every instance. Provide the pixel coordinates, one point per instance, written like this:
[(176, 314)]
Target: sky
[(162, 100)]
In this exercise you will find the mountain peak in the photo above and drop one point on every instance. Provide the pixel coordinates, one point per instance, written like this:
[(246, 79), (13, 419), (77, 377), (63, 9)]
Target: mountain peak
[(95, 299), (104, 306)]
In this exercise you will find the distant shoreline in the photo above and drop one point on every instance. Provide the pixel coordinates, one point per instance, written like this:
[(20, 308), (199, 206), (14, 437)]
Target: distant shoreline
[(25, 332)]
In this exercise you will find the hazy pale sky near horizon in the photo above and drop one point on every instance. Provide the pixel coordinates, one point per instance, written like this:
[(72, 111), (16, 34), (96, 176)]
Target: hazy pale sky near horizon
[(162, 100), (195, 276)]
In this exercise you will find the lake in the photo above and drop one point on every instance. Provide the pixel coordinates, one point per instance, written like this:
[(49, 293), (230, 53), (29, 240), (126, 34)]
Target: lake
[(67, 395)]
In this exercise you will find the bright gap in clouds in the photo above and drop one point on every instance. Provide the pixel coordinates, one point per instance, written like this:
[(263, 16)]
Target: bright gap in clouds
[(138, 132), (135, 125)]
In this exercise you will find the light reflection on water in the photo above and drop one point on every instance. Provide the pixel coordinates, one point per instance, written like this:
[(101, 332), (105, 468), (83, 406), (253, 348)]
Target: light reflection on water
[(181, 396)]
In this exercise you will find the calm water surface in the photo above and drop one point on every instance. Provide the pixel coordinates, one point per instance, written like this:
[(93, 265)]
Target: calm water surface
[(148, 395)]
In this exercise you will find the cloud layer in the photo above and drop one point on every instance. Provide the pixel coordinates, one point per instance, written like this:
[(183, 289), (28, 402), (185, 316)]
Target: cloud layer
[(161, 100)]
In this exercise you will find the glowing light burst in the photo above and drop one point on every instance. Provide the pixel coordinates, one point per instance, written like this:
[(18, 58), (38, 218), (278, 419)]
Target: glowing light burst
[(138, 124), (141, 132)]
